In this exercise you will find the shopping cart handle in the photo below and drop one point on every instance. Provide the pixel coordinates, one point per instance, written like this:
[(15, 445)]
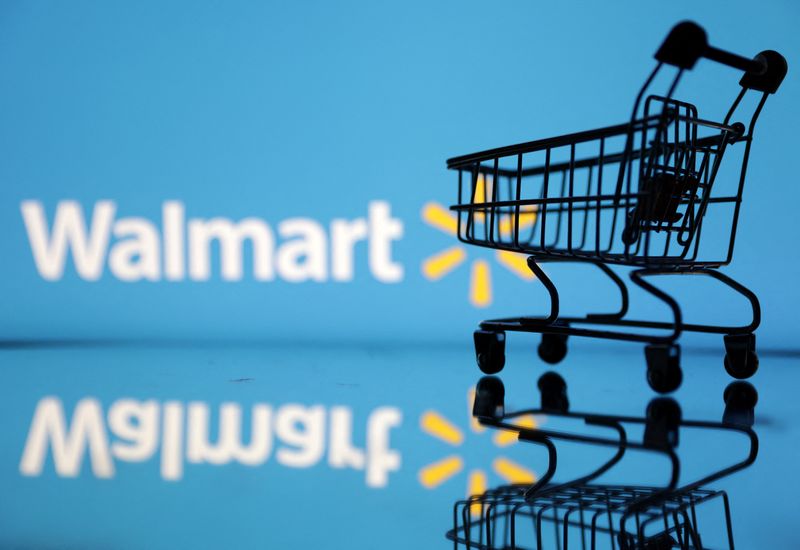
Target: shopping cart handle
[(687, 42)]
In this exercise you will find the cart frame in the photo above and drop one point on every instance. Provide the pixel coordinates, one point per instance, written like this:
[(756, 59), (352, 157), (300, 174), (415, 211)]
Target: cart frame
[(663, 191)]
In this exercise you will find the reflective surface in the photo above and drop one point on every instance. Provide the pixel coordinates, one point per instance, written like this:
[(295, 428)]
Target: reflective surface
[(258, 446), (583, 510)]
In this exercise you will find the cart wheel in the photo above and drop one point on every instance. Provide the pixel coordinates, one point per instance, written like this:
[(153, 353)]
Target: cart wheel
[(490, 350), (663, 367), (663, 419), (741, 365), (741, 360), (740, 403), (554, 392), (553, 348), (489, 398)]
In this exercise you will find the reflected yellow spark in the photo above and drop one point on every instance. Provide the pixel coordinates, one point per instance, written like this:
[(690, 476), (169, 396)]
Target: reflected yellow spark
[(476, 486), (503, 438), (436, 215), (512, 472), (439, 427), (437, 473), (439, 265), (516, 263), (480, 293)]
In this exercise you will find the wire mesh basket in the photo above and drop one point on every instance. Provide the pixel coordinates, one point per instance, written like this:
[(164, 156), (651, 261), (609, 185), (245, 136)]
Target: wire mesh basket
[(637, 194), (589, 516), (632, 194), (594, 515)]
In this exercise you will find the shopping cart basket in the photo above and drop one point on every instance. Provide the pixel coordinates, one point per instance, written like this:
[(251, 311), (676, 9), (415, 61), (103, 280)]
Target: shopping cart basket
[(637, 194), (586, 516), (546, 514)]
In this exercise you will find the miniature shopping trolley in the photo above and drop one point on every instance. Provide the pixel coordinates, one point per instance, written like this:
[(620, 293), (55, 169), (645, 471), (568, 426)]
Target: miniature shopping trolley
[(640, 194), (596, 515)]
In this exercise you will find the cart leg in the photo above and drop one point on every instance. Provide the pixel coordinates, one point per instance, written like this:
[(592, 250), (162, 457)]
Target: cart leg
[(744, 291), (664, 373), (533, 265), (552, 463), (553, 347), (551, 290), (637, 276), (741, 360), (623, 291)]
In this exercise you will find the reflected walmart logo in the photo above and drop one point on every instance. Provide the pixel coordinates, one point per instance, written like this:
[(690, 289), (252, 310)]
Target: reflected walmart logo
[(436, 473), (440, 264)]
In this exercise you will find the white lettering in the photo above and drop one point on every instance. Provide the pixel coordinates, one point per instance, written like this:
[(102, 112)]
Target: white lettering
[(135, 422), (171, 448), (173, 217), (135, 426), (383, 230), (69, 231), (49, 427), (139, 252), (380, 458), (229, 443), (309, 440), (230, 237), (342, 453), (309, 246), (344, 235), (137, 257)]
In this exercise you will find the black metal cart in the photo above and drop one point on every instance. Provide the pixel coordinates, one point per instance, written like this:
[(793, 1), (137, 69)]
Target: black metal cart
[(597, 515), (636, 194)]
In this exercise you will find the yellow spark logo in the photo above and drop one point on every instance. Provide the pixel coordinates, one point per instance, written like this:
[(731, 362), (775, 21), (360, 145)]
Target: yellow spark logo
[(440, 264), (436, 473)]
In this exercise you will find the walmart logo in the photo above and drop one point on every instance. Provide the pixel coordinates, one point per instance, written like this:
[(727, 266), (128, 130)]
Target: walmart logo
[(178, 247), (436, 473), (440, 264)]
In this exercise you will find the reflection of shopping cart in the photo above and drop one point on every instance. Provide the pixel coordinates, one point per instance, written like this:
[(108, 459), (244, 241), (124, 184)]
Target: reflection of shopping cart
[(593, 515), (636, 194), (586, 516)]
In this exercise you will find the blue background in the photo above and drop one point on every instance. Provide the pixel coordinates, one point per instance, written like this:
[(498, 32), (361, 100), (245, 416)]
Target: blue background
[(314, 109)]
